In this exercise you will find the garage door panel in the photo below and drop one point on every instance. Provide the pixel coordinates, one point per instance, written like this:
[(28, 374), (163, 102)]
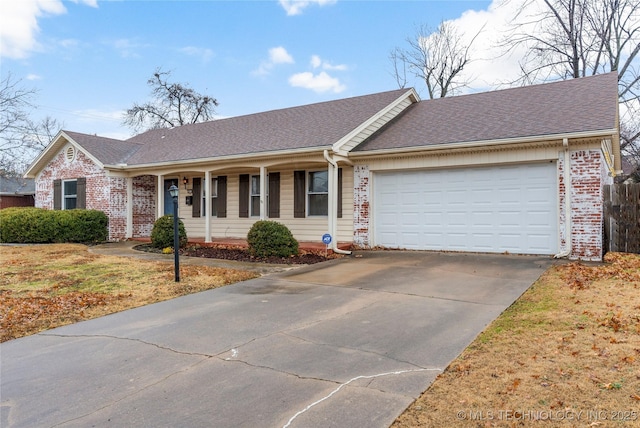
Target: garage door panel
[(489, 209)]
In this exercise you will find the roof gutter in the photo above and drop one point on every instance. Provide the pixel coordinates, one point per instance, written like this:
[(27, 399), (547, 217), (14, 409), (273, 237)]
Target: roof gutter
[(217, 159), (484, 143)]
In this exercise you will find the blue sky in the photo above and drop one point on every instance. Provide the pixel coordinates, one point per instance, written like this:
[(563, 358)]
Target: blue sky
[(90, 59)]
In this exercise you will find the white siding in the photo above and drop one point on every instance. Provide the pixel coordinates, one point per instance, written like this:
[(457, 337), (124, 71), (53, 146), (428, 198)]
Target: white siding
[(303, 229)]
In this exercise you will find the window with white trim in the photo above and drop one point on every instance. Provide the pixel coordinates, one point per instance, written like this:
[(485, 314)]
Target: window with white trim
[(254, 196), (214, 198), (69, 194), (318, 193)]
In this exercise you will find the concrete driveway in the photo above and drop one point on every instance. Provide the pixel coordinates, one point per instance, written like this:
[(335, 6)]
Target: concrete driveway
[(347, 343)]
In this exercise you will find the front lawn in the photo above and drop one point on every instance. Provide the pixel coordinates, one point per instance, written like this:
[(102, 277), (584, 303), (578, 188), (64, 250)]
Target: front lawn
[(46, 286)]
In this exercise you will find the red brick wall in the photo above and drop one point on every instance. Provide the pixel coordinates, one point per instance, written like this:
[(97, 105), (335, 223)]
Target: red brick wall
[(361, 216), (104, 193), (586, 205), (144, 207)]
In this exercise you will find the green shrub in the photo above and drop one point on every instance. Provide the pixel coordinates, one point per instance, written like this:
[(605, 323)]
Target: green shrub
[(162, 233), (38, 226), (269, 238)]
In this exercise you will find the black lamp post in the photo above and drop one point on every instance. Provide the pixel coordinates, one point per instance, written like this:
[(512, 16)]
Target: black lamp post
[(173, 191)]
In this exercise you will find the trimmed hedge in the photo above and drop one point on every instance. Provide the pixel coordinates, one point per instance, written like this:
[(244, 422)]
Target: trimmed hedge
[(39, 226), (269, 238), (162, 233)]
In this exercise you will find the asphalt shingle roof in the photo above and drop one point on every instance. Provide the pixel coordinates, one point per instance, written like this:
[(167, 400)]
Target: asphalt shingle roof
[(570, 106), (17, 186), (109, 151), (308, 126)]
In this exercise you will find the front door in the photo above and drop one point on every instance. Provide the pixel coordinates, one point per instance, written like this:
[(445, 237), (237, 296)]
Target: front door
[(168, 200)]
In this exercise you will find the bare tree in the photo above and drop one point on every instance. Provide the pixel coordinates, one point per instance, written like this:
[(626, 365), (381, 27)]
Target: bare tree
[(576, 38), (173, 104), (435, 57), (21, 138)]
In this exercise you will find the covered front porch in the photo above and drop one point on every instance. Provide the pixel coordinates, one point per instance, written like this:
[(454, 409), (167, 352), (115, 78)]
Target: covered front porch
[(311, 194)]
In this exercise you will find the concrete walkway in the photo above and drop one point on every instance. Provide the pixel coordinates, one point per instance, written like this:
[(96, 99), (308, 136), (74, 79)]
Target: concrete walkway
[(346, 343)]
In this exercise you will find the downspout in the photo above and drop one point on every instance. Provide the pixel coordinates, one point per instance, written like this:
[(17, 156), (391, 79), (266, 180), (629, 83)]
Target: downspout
[(333, 206), (567, 201)]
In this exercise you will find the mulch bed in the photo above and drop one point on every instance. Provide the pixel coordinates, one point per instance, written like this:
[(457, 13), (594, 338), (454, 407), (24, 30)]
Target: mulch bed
[(243, 255)]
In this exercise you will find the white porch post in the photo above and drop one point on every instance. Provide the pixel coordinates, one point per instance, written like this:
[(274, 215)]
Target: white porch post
[(160, 198), (129, 232), (207, 206), (263, 191)]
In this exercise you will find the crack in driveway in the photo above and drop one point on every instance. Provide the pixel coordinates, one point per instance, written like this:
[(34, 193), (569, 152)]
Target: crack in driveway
[(342, 385)]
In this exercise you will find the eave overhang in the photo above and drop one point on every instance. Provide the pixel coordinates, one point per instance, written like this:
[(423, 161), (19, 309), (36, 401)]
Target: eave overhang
[(484, 144)]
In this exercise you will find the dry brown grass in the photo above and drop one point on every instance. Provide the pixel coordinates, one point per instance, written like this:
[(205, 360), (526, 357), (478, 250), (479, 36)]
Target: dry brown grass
[(46, 286), (565, 354)]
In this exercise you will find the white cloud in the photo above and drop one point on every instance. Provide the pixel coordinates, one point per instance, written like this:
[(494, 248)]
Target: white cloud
[(317, 62), (203, 53), (32, 77), (127, 48), (321, 82), (277, 55), (19, 29), (295, 7), (491, 64)]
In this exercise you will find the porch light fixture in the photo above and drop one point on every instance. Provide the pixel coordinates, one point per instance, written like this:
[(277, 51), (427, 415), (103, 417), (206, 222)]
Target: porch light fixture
[(185, 181), (173, 191)]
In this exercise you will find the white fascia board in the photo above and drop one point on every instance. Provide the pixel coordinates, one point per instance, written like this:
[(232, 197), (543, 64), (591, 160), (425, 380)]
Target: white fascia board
[(33, 169), (485, 143), (337, 146), (56, 144), (129, 170)]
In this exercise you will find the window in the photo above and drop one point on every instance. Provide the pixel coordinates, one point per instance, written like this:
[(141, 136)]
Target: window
[(214, 198), (318, 193), (311, 195), (249, 194), (254, 196), (69, 194)]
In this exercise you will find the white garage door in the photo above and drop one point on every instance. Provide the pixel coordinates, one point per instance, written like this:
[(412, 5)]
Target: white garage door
[(485, 209)]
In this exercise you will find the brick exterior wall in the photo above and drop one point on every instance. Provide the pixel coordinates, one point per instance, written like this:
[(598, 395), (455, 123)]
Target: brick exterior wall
[(144, 207), (107, 194), (361, 195), (586, 205)]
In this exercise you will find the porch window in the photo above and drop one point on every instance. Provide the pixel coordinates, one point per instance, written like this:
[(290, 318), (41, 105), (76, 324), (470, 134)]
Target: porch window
[(311, 193), (318, 193), (249, 194), (214, 199), (254, 198)]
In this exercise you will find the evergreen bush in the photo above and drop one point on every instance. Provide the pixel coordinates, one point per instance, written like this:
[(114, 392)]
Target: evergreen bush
[(39, 226), (269, 238), (162, 233)]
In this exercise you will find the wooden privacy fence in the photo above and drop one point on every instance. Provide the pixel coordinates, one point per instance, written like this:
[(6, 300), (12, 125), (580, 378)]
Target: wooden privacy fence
[(622, 218)]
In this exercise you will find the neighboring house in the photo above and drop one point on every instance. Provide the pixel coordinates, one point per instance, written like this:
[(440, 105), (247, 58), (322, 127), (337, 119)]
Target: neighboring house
[(518, 170), (17, 192)]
